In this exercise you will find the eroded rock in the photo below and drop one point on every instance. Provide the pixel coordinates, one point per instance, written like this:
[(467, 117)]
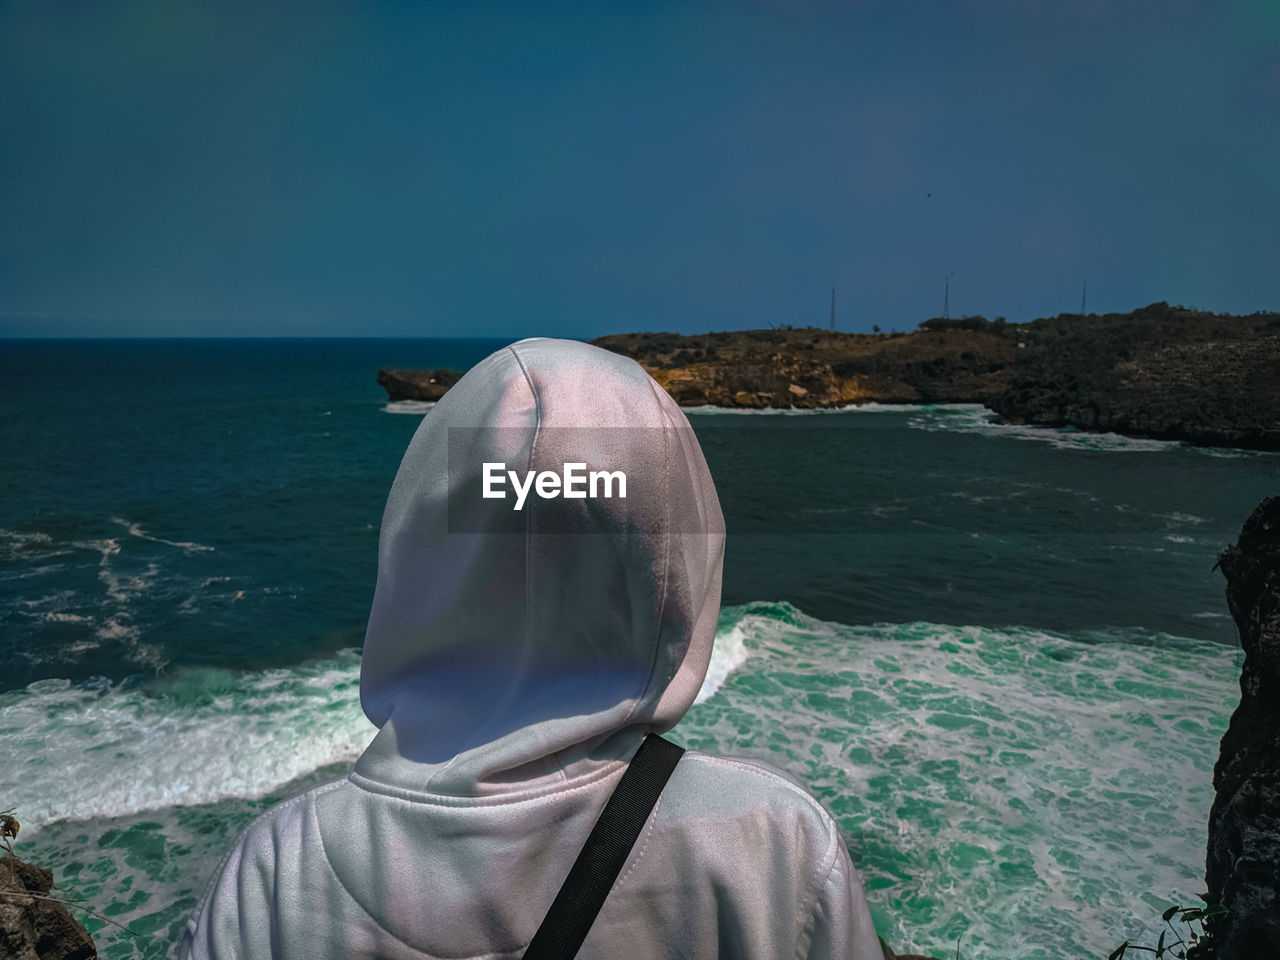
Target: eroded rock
[(1242, 867), (417, 384), (32, 927)]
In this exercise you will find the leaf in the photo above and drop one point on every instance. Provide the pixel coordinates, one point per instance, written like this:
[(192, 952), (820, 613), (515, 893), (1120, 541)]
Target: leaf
[(1160, 945), (1119, 951), (1192, 913), (1169, 913)]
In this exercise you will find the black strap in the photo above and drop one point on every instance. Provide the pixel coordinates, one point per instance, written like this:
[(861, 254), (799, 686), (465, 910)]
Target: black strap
[(600, 861)]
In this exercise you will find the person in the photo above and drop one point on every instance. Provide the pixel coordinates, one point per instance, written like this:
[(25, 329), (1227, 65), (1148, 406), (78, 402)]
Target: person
[(513, 663)]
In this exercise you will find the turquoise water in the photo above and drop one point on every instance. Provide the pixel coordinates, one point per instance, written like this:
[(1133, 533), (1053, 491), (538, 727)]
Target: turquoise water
[(1027, 792), (998, 655)]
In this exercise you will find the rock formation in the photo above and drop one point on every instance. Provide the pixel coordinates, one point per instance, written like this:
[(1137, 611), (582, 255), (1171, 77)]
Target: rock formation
[(809, 367), (1243, 863), (32, 928), (1160, 371), (417, 384)]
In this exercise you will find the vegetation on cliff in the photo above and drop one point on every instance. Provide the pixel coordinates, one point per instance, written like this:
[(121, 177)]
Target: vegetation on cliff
[(1160, 371), (810, 367)]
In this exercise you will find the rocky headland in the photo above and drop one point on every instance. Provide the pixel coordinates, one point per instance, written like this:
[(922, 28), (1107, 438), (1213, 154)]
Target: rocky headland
[(417, 384), (1161, 371)]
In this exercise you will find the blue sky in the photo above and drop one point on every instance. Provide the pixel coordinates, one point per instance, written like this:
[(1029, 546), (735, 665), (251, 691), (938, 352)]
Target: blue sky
[(379, 169)]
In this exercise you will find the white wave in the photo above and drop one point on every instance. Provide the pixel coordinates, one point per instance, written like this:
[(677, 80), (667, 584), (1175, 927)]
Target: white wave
[(106, 548), (124, 587), (730, 652), (976, 418), (1182, 517), (136, 531), (27, 573), (20, 538), (117, 628), (58, 599), (417, 407), (17, 542), (190, 606), (869, 407), (59, 616), (200, 736), (981, 420), (79, 647), (968, 751), (108, 618), (1234, 453)]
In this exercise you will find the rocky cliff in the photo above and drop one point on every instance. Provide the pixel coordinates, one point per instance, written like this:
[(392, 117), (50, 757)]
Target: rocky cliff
[(1160, 371), (820, 368), (33, 927), (1242, 868), (417, 384)]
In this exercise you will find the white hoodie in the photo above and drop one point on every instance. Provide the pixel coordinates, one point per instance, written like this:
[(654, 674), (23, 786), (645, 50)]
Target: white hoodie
[(514, 661)]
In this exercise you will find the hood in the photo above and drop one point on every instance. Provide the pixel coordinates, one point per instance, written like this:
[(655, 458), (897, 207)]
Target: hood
[(516, 648)]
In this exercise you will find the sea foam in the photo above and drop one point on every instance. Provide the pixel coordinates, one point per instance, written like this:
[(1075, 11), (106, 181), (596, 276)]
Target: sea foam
[(416, 407), (201, 735), (1038, 795), (869, 407), (198, 736)]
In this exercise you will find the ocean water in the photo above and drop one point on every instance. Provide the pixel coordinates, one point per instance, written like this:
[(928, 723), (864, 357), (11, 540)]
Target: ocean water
[(999, 655)]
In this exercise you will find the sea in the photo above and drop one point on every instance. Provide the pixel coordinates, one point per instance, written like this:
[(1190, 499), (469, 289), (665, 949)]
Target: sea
[(1000, 656)]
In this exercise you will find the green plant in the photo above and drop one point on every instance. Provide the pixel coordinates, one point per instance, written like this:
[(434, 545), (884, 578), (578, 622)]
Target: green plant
[(1193, 944)]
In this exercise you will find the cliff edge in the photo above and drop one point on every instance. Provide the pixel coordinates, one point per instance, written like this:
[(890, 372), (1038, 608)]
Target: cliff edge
[(33, 927), (1242, 867)]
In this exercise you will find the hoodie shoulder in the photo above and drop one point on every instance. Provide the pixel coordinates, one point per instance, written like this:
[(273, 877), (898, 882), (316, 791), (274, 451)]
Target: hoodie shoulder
[(237, 904), (742, 782), (739, 853), (732, 804)]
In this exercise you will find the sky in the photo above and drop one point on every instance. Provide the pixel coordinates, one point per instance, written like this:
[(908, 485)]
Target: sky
[(474, 169)]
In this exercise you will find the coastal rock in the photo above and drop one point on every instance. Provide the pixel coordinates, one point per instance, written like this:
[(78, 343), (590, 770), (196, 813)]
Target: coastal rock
[(417, 384), (809, 367), (1161, 371), (1242, 867), (32, 928)]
